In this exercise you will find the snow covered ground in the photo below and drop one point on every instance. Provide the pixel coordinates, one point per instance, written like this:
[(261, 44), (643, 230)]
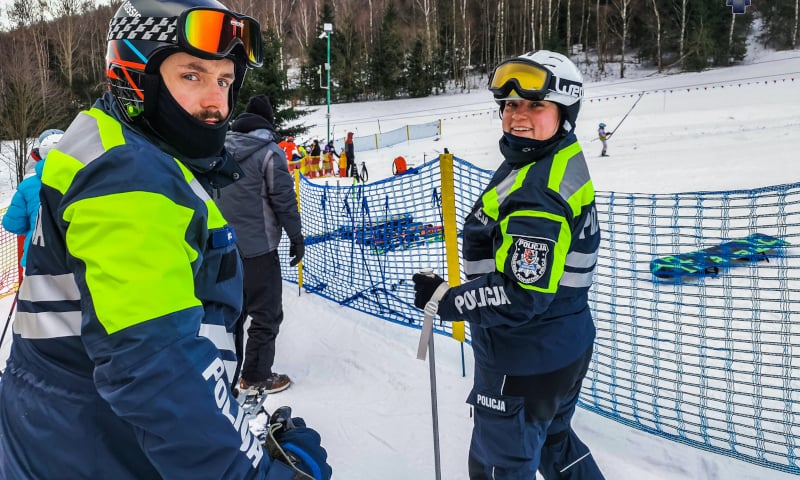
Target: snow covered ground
[(356, 377)]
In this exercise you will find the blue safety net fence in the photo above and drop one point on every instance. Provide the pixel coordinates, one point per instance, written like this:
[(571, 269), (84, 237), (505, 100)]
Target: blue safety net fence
[(711, 360)]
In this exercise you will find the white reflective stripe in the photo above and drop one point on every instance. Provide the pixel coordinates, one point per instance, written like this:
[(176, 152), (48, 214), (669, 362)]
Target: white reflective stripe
[(218, 336), (581, 260), (199, 190), (223, 341), (230, 369), (576, 280), (83, 141), (49, 288), (503, 188), (478, 267), (48, 324), (573, 463)]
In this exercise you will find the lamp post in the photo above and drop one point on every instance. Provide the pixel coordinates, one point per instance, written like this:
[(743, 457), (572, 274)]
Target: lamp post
[(327, 30)]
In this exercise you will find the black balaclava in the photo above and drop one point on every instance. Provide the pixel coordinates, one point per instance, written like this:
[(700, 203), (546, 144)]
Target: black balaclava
[(176, 127), (521, 144), (179, 129)]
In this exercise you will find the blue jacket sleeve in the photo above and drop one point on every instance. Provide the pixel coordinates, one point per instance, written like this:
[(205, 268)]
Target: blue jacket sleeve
[(16, 218), (531, 246)]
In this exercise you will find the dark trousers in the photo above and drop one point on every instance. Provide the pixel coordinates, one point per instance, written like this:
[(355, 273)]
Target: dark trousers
[(522, 424), (263, 303)]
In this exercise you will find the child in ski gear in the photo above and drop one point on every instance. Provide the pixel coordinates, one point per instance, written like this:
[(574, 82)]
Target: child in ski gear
[(343, 164), (122, 353), (603, 136), (290, 149), (530, 246), (20, 218), (260, 206)]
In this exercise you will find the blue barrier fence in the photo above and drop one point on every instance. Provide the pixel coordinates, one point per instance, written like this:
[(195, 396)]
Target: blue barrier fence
[(713, 362)]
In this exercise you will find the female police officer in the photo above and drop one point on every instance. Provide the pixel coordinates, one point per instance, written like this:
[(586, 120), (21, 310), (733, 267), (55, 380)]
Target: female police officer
[(529, 250)]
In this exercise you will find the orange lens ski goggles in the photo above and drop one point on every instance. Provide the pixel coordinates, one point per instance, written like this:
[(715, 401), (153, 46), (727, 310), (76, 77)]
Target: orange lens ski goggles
[(218, 32), (529, 79)]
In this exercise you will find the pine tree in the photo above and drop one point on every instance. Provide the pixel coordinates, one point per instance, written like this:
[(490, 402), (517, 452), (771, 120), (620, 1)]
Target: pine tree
[(317, 54), (270, 80), (348, 61), (779, 22), (419, 81), (387, 60)]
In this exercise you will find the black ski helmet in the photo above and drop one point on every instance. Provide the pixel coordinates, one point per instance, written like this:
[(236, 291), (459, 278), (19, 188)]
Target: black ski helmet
[(144, 32)]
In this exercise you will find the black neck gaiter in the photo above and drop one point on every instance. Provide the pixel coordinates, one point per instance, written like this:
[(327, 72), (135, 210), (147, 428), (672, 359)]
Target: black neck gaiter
[(180, 130)]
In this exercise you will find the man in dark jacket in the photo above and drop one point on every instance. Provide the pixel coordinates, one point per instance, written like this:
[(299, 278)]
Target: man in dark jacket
[(259, 206), (122, 353)]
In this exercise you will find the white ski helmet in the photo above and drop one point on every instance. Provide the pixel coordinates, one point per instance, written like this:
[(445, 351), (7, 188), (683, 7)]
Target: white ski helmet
[(47, 140), (540, 75)]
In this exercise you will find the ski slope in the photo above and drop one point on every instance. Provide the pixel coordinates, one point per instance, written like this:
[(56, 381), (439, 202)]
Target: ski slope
[(356, 377)]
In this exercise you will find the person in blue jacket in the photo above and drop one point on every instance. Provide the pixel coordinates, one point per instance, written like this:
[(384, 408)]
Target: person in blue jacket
[(20, 218), (530, 248), (122, 353)]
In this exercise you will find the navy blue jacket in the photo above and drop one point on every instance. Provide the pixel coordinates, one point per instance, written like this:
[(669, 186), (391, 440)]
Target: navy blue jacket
[(123, 347), (529, 250)]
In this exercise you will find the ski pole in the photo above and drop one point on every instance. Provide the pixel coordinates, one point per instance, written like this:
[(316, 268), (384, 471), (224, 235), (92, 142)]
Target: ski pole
[(425, 344), (629, 112), (8, 320)]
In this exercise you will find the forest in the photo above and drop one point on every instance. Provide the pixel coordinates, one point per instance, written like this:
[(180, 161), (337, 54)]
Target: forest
[(53, 51)]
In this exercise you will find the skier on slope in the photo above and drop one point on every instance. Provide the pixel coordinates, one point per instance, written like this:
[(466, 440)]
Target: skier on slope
[(122, 356), (530, 247), (603, 136)]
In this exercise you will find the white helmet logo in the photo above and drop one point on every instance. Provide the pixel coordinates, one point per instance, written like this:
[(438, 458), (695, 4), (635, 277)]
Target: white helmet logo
[(568, 88)]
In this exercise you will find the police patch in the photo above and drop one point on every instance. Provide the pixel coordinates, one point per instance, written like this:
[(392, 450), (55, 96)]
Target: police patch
[(529, 261)]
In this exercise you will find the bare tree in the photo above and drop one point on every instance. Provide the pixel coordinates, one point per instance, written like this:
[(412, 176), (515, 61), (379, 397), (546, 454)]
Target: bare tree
[(658, 37), (306, 22), (426, 8), (24, 112), (500, 45), (730, 38), (796, 21), (569, 27), (623, 8), (68, 14), (600, 44), (30, 14), (682, 36)]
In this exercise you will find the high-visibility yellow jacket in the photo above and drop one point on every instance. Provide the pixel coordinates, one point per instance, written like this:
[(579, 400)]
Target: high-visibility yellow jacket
[(122, 350), (530, 249)]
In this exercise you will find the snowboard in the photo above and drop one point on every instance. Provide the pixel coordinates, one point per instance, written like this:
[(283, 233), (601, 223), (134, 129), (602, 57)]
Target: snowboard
[(713, 260)]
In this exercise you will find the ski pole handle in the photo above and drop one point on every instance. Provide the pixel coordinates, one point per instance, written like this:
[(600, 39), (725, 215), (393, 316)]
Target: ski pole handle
[(430, 310)]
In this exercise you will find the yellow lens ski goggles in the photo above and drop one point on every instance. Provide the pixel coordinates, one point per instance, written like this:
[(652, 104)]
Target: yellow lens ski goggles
[(217, 32), (529, 79)]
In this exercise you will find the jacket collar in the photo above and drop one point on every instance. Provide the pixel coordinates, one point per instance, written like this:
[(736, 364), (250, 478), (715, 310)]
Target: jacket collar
[(213, 172)]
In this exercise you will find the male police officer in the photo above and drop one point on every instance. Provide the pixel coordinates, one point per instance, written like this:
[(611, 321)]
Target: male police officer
[(122, 354)]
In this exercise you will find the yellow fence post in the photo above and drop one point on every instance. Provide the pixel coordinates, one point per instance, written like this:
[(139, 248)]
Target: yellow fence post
[(300, 264), (450, 230)]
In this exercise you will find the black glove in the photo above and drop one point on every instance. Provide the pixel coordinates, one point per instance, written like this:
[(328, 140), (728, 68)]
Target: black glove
[(291, 442), (425, 286), (297, 249)]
